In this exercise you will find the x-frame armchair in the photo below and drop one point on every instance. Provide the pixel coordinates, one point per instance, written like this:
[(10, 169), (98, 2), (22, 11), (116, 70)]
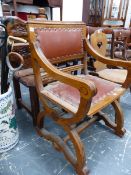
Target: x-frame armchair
[(83, 96)]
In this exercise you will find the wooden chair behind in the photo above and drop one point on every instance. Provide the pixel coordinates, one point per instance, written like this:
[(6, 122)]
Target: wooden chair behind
[(17, 27), (99, 43), (108, 39), (121, 43)]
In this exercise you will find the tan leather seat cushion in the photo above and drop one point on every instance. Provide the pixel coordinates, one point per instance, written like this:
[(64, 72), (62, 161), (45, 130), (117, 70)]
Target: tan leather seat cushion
[(24, 72), (114, 75), (67, 95), (26, 76)]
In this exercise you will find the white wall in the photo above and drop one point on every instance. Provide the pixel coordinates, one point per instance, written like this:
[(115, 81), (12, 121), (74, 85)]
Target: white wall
[(72, 10), (1, 13), (128, 15)]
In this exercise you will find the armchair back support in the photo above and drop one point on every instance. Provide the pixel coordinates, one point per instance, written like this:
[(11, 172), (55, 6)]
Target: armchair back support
[(82, 96), (99, 43), (106, 46)]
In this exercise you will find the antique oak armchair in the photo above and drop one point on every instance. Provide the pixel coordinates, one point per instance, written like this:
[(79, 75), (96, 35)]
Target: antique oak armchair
[(82, 96)]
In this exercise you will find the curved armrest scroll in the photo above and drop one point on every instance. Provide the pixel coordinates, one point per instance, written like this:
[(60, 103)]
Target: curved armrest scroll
[(105, 60)]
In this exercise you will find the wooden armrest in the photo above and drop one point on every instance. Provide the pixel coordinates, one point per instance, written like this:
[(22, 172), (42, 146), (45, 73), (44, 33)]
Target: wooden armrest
[(112, 62), (106, 60), (87, 89)]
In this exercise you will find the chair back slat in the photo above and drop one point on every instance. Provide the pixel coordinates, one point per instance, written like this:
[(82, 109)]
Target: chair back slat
[(99, 43)]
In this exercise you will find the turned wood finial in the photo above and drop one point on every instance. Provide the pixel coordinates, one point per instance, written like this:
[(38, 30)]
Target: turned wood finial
[(41, 10), (42, 13)]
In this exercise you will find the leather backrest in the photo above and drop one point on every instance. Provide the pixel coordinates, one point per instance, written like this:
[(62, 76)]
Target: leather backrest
[(60, 41), (60, 44)]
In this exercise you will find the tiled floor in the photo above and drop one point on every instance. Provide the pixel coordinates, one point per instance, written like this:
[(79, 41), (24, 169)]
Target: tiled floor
[(106, 153)]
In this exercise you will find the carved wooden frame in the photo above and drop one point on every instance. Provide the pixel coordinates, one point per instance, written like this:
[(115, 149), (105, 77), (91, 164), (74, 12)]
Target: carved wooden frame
[(87, 91)]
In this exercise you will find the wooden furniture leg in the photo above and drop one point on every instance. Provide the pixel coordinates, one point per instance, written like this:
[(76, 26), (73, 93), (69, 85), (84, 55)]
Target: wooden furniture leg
[(78, 159), (51, 13), (119, 119), (34, 100), (61, 12), (17, 92)]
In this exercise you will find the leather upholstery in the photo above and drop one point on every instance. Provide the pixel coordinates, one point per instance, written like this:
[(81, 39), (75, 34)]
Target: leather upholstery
[(71, 95), (26, 76), (58, 44), (28, 81), (24, 72)]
